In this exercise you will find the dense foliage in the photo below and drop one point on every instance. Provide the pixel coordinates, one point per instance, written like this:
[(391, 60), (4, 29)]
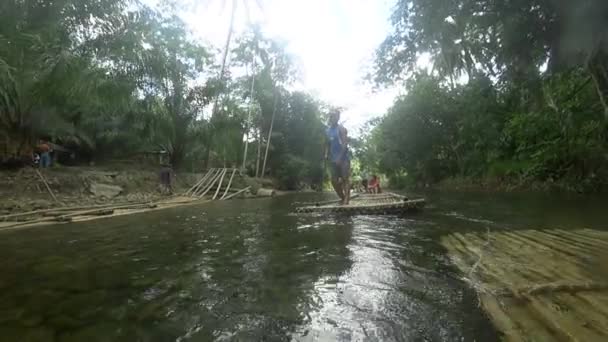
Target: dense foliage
[(517, 93), (114, 78)]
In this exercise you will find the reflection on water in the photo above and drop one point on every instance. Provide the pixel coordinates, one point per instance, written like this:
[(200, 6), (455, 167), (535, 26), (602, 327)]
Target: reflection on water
[(397, 288), (250, 270)]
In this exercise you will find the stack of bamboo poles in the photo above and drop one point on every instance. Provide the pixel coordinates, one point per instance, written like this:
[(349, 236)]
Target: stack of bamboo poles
[(67, 214), (547, 285), (212, 183)]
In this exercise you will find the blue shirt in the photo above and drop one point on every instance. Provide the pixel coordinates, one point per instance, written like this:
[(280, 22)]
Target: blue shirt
[(336, 147)]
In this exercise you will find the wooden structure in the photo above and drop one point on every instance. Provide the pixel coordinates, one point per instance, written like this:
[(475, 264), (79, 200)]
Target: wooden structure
[(216, 183), (538, 285), (379, 204)]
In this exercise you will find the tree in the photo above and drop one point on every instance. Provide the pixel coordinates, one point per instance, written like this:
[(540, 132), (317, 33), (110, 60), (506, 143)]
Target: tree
[(45, 69)]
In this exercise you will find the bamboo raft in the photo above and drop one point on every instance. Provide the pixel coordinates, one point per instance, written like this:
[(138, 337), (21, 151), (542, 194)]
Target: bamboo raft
[(538, 285), (379, 204)]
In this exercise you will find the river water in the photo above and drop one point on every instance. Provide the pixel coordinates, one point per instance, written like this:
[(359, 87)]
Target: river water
[(252, 271)]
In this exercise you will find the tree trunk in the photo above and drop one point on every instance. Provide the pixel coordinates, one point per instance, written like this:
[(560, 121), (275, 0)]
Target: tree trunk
[(249, 112), (221, 78), (257, 162), (599, 74), (274, 112)]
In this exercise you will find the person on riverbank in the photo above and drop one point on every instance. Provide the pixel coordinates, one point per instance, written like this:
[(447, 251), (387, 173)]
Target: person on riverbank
[(166, 173), (374, 185), (336, 150), (45, 154)]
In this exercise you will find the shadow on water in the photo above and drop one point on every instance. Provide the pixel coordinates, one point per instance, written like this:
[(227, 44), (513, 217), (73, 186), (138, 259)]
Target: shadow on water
[(250, 270)]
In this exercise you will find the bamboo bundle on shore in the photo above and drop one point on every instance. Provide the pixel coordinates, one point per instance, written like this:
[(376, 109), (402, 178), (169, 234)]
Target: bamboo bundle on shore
[(540, 285), (201, 181), (67, 214), (229, 184), (58, 210), (212, 183)]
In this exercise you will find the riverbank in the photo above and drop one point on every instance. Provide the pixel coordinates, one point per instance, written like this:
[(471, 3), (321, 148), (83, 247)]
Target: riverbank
[(24, 190), (30, 197)]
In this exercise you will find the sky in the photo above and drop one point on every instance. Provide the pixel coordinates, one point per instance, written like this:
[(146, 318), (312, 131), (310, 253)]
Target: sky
[(332, 41)]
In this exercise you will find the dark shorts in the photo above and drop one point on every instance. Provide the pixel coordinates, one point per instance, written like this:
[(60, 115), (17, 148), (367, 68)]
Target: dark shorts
[(340, 171)]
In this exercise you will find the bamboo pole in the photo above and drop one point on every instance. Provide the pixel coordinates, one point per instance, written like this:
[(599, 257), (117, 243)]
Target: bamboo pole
[(594, 301), (563, 287), (583, 236), (529, 325), (515, 262), (208, 182), (195, 186), (219, 185), (95, 212), (67, 217), (578, 244), (564, 326), (565, 249), (206, 185), (463, 259), (237, 193), (48, 220), (43, 211), (212, 183), (47, 185), (593, 318), (229, 184), (503, 322), (567, 245), (101, 211), (558, 253), (489, 278), (201, 182)]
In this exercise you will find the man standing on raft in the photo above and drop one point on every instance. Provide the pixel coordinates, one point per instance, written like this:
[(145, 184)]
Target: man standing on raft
[(336, 149)]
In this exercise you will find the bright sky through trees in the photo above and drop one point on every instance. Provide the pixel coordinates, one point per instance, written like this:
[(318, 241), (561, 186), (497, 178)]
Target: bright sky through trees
[(332, 40)]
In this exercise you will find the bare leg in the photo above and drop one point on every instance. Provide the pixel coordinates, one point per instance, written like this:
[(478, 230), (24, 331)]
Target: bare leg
[(346, 182), (337, 185), (346, 190)]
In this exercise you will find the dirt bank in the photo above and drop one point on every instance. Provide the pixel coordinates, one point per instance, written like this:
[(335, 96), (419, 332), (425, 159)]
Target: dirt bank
[(23, 190), (32, 197)]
